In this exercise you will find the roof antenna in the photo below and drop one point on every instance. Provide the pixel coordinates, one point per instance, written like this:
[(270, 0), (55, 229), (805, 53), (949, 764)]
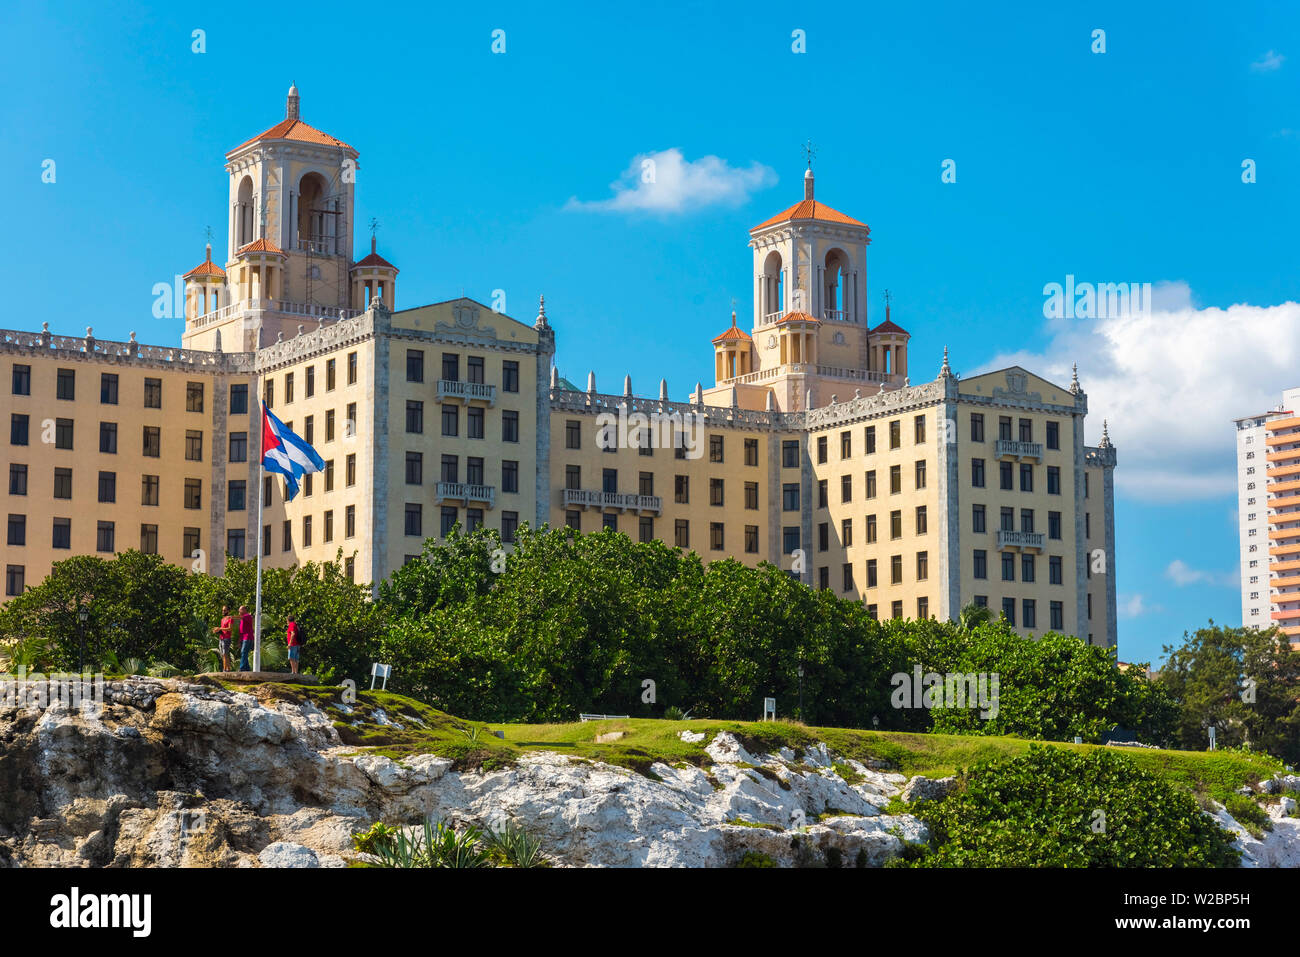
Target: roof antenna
[(809, 152)]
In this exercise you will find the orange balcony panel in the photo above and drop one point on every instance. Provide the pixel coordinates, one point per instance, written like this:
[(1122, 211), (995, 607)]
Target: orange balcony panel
[(1281, 533), (1286, 615), (1290, 438), (1285, 581), (1284, 566), (1283, 519), (1290, 485), (1285, 456), (1289, 423), (1279, 471), (1280, 550)]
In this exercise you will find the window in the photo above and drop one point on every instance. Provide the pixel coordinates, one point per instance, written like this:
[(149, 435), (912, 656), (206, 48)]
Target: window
[(572, 434), (981, 601), (977, 473), (822, 498), (350, 421), (846, 445), (922, 566), (715, 535), (266, 539), (414, 468), (286, 536), (715, 448), (1057, 609), (790, 497), (352, 368), (108, 438), (474, 367), (1006, 476), (22, 380), (17, 530), (1085, 483), (823, 537), (1008, 566), (473, 422), (1053, 480), (329, 475), (63, 483), (17, 429), (572, 476), (148, 490), (751, 451), (239, 399), (235, 542), (66, 384), (62, 533), (1026, 430), (682, 533), (237, 496), (329, 425), (329, 525), (1027, 520), (268, 392), (1090, 606), (981, 563), (194, 395), (896, 609), (149, 539), (922, 520), (415, 417), (895, 479), (1054, 442), (350, 521), (1054, 575), (923, 607), (509, 375), (789, 539), (871, 484), (1029, 613), (715, 491), (821, 449), (1004, 428), (846, 532), (896, 524), (153, 393), (918, 425), (977, 519), (510, 477), (193, 445), (510, 426), (14, 579), (509, 522), (1009, 611), (847, 572), (681, 489), (846, 488), (751, 495), (789, 454), (350, 471), (17, 479), (869, 438), (1027, 568), (871, 529), (976, 427), (895, 569), (306, 531), (193, 493), (309, 429), (108, 388), (451, 366), (896, 434), (920, 473), (1053, 524), (309, 386), (108, 486), (414, 365), (1008, 519), (238, 446), (190, 542), (330, 377), (63, 433), (288, 387)]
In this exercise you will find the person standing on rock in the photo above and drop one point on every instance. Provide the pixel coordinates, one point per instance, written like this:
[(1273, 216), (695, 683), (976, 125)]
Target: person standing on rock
[(245, 638), (223, 633), (294, 642)]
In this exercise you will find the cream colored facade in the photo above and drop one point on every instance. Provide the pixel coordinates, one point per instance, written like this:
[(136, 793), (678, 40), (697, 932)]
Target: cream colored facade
[(812, 449)]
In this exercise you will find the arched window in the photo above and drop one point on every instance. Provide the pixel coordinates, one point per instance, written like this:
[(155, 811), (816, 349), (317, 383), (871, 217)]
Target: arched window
[(244, 213), (836, 295), (315, 221), (773, 291)]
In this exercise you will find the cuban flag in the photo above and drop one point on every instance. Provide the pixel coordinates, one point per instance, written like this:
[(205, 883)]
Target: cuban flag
[(286, 453)]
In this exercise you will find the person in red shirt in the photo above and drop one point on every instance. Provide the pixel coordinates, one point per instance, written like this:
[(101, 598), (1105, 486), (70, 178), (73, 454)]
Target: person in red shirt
[(245, 638), (295, 645), (223, 632)]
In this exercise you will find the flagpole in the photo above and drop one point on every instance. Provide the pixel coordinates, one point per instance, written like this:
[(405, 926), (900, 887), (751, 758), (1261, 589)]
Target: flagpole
[(257, 605)]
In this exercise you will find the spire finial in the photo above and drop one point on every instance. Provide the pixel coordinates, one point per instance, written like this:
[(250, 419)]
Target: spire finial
[(888, 299), (1105, 434), (809, 152), (541, 313), (1074, 379), (945, 371), (374, 230), (291, 104)]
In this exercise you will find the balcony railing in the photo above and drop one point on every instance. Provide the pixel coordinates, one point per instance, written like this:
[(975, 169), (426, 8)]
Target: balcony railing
[(467, 391), (1011, 539), (1024, 450), (591, 498), (835, 315), (466, 492)]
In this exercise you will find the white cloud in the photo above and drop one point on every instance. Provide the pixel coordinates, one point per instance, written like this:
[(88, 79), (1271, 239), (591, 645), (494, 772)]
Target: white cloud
[(1268, 62), (1182, 575), (1170, 382), (1131, 606), (666, 182)]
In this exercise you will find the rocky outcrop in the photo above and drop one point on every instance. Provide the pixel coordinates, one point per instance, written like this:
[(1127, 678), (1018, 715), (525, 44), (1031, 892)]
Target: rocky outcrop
[(167, 773)]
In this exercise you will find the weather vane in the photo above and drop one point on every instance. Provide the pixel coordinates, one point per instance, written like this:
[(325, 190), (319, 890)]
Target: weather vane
[(809, 152), (374, 227), (208, 232)]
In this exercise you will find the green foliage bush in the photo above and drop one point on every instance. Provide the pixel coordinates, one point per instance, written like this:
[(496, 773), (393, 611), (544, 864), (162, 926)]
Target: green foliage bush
[(1040, 810)]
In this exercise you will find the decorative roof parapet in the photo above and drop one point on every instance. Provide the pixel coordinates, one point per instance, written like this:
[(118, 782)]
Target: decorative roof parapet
[(565, 400), (14, 341), (1099, 457), (325, 338)]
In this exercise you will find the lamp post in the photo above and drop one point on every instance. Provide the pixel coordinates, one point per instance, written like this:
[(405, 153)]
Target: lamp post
[(82, 614), (801, 690)]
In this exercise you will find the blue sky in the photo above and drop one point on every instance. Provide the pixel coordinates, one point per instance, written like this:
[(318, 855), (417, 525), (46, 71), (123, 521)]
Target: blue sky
[(488, 171)]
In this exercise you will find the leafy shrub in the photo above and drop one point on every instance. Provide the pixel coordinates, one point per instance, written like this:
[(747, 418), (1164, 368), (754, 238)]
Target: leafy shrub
[(755, 859), (436, 844), (512, 846), (1248, 814), (1039, 810)]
